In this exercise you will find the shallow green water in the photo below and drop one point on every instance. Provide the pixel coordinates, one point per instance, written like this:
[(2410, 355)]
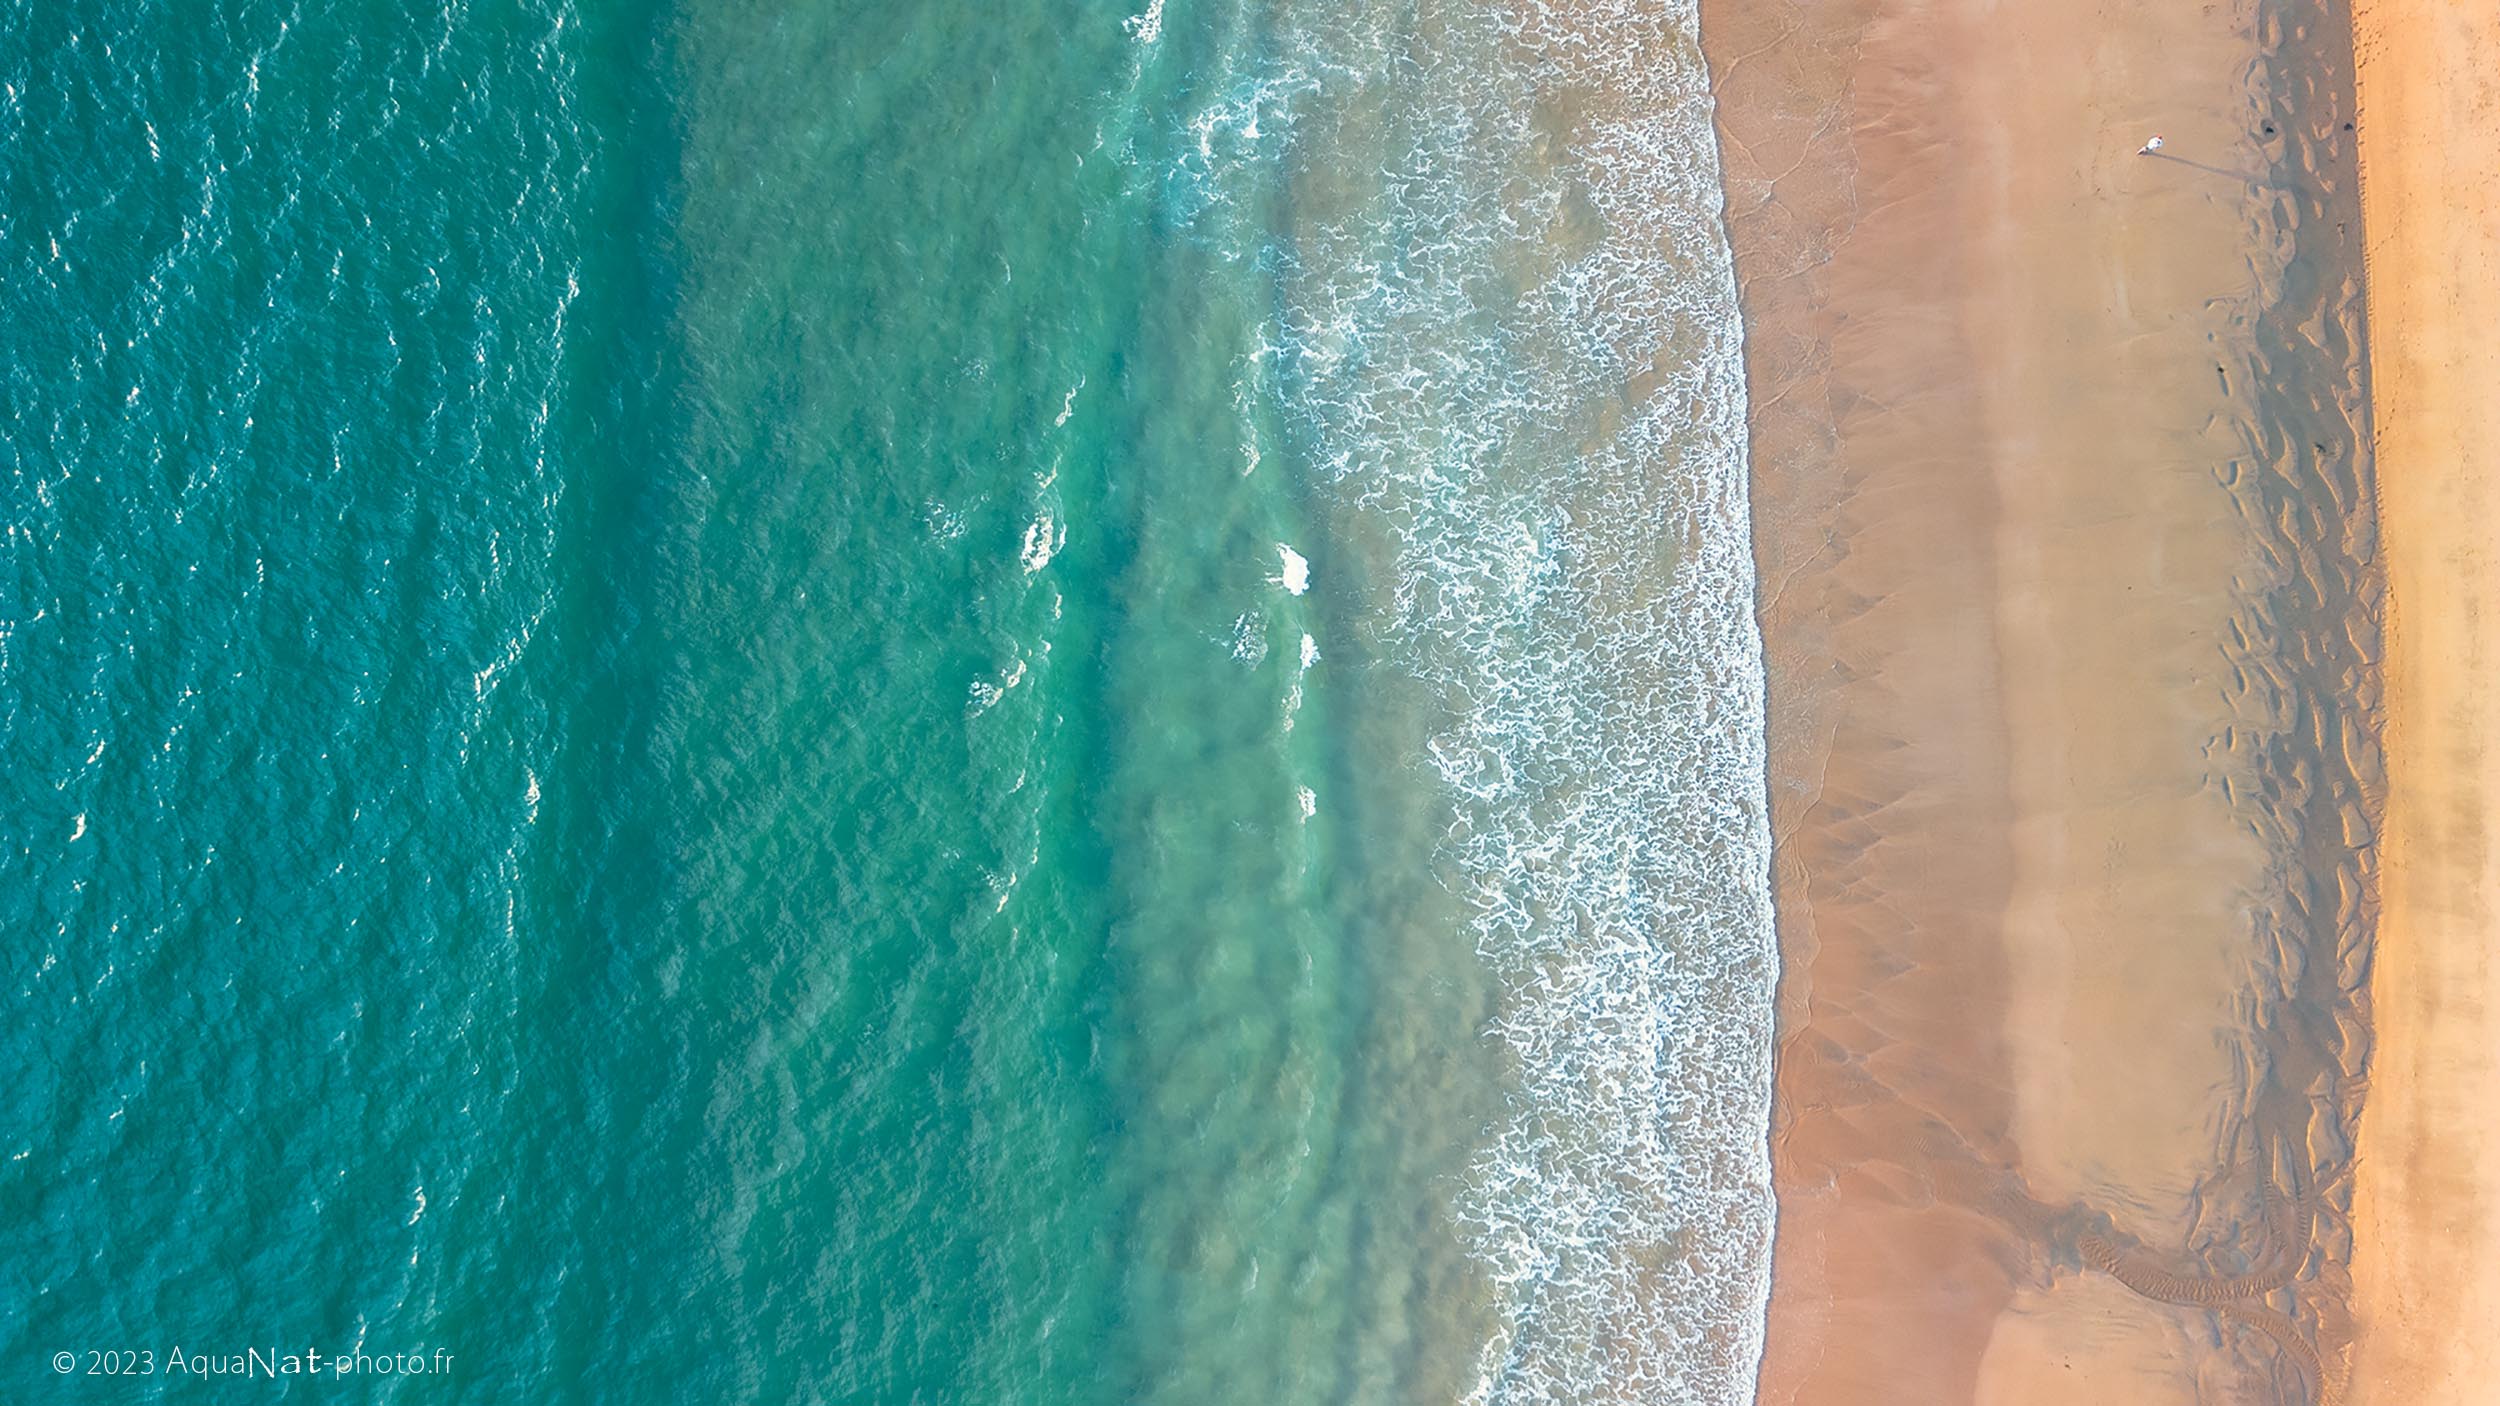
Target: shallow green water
[(733, 702)]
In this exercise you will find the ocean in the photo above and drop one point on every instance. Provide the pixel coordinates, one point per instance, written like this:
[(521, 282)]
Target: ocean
[(721, 702)]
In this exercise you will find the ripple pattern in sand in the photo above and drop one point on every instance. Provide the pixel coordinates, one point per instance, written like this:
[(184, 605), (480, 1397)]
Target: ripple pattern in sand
[(2301, 762)]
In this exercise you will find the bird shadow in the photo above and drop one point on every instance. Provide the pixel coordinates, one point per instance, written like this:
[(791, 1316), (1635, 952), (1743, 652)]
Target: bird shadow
[(2225, 172)]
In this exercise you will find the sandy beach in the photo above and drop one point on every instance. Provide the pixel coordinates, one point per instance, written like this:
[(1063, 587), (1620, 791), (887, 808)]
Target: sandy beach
[(2062, 517), (2426, 1269)]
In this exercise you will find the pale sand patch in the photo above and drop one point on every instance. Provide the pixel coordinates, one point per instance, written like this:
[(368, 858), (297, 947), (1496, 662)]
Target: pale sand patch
[(2426, 1253), (2090, 1343), (2117, 554)]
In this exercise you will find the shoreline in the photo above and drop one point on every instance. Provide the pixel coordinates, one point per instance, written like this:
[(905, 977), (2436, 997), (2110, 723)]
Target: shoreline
[(2426, 1265), (2062, 527)]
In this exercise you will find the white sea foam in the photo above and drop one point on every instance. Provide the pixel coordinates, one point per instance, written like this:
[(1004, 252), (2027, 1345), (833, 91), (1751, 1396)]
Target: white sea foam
[(1295, 571), (1250, 638), (1042, 541), (985, 693), (1514, 352)]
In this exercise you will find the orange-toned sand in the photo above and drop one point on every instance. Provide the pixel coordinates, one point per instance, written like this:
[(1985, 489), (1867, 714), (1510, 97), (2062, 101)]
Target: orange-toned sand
[(2052, 441), (2426, 1273)]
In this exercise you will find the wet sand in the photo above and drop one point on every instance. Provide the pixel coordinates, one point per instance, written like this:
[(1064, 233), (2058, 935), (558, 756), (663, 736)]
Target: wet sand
[(2062, 521), (2427, 1208)]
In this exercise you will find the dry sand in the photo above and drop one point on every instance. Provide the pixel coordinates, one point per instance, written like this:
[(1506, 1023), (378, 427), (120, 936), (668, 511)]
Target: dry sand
[(2061, 513), (2427, 1208)]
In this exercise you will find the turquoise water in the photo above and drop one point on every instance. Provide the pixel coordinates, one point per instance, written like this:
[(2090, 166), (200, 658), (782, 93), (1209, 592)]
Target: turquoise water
[(875, 703)]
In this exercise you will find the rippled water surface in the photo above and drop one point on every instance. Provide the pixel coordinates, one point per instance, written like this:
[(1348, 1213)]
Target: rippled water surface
[(904, 702)]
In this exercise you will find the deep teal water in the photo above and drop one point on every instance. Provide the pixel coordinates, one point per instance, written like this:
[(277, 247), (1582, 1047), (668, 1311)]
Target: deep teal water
[(876, 703)]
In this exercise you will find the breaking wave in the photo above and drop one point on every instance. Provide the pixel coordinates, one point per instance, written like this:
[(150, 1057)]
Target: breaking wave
[(1507, 338)]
